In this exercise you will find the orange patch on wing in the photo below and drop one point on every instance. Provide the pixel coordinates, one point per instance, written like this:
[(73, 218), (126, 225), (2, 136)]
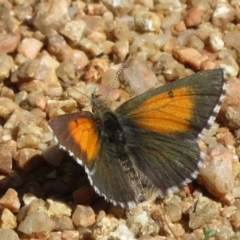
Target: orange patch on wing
[(168, 112), (84, 133)]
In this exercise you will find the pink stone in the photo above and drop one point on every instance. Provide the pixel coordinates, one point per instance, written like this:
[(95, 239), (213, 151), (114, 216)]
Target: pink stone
[(30, 47), (10, 200)]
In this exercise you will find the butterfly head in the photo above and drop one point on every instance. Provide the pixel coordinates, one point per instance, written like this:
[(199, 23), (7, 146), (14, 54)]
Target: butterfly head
[(98, 105)]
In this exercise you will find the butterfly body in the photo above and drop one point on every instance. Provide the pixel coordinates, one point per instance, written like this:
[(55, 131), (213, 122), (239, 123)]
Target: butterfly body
[(149, 141)]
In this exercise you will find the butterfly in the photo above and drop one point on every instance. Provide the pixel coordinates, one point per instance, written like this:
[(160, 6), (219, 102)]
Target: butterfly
[(150, 141)]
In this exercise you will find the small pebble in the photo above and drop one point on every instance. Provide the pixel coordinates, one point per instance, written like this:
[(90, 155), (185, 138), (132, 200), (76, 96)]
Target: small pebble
[(30, 47), (9, 42), (8, 220), (83, 216), (8, 234), (203, 212), (223, 14), (190, 56), (36, 222), (10, 200), (147, 21), (6, 63), (138, 78), (217, 171), (27, 158), (56, 208)]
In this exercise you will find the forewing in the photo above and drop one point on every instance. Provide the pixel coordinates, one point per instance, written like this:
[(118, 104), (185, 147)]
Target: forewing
[(78, 134), (183, 107)]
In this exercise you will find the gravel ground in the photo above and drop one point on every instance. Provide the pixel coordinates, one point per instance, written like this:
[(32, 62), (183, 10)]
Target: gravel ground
[(45, 194)]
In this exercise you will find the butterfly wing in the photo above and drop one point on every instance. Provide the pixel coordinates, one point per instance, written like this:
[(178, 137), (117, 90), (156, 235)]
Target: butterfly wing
[(111, 178), (78, 134), (164, 162), (162, 127), (184, 107)]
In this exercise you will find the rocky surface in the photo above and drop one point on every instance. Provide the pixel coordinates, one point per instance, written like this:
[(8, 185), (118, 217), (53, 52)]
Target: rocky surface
[(44, 193)]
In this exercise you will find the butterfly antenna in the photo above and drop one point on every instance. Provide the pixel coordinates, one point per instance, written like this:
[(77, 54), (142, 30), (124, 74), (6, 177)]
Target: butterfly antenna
[(118, 73), (72, 87)]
